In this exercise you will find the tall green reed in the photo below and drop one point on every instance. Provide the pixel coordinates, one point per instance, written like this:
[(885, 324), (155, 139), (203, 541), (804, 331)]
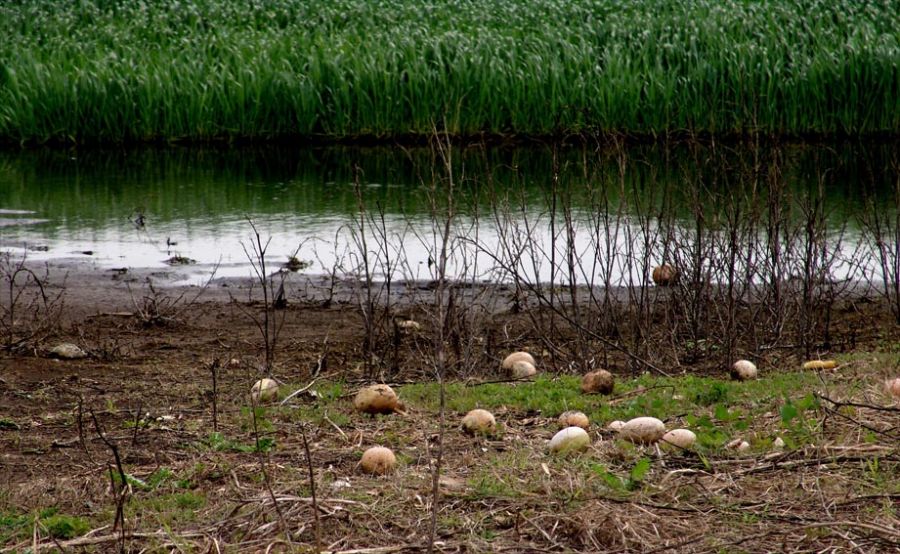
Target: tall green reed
[(117, 71)]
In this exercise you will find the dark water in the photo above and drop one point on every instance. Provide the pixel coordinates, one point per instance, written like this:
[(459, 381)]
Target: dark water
[(138, 208)]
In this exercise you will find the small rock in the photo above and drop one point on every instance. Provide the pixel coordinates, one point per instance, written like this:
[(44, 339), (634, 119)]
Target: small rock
[(67, 351)]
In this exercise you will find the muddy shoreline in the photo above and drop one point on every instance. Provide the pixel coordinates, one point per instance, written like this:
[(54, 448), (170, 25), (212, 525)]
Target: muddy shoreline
[(89, 285)]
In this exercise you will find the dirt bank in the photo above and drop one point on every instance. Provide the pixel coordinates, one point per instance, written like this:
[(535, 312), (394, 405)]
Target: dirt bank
[(148, 381)]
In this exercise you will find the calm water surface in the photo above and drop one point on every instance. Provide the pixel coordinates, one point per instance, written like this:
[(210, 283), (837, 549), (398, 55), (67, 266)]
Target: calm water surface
[(139, 208)]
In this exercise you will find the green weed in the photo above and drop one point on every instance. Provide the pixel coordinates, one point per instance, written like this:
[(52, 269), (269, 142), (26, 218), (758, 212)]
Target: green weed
[(218, 443), (59, 526)]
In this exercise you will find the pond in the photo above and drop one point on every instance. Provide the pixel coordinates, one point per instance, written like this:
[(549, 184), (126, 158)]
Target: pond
[(535, 210)]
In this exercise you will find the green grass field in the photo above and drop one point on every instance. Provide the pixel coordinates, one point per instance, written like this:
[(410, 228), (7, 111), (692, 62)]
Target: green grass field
[(120, 71)]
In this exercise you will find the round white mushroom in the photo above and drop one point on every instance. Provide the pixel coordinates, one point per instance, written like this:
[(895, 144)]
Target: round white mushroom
[(67, 351), (892, 387), (264, 390), (378, 460), (376, 399), (664, 275), (615, 425), (570, 439), (409, 326), (643, 430), (744, 370), (479, 421), (508, 361), (573, 418), (682, 438), (738, 444), (522, 370), (599, 381)]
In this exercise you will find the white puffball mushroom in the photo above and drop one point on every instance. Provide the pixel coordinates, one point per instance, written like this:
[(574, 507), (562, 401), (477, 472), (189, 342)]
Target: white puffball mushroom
[(599, 381), (778, 443), (522, 370), (573, 418), (264, 390), (479, 421), (570, 439), (616, 425), (744, 370), (517, 357), (738, 444), (67, 351), (892, 387), (682, 438), (378, 460), (409, 326), (665, 275), (643, 430), (376, 399)]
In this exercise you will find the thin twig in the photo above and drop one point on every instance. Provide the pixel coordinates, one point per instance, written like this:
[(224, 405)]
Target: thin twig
[(312, 487), (298, 391), (856, 404)]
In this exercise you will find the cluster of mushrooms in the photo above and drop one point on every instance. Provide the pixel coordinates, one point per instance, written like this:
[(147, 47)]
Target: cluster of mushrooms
[(573, 436)]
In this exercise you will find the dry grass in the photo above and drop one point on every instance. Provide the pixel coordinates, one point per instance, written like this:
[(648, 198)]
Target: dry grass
[(833, 489)]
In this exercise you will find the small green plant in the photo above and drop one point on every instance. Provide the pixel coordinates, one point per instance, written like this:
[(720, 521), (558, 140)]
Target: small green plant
[(189, 500), (611, 479), (637, 474), (793, 416), (633, 482), (12, 526), (8, 424), (50, 521), (488, 485), (61, 526), (262, 423), (159, 477), (715, 393), (218, 443)]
